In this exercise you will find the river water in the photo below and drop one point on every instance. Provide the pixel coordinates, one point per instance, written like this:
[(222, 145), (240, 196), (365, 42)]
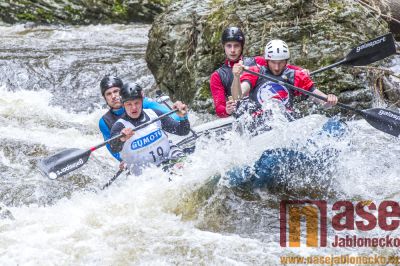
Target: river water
[(50, 100)]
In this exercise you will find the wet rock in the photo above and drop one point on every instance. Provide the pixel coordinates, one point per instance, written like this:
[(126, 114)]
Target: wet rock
[(391, 90), (5, 213), (183, 50), (362, 95), (80, 11)]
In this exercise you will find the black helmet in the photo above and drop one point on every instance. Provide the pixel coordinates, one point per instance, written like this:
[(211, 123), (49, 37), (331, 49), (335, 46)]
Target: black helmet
[(131, 91), (108, 82), (233, 34)]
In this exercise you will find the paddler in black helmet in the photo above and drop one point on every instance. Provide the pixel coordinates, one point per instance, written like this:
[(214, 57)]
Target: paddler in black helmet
[(110, 87), (149, 145), (233, 41)]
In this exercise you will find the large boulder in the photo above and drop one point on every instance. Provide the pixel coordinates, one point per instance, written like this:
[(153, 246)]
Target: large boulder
[(184, 42), (387, 9), (80, 12)]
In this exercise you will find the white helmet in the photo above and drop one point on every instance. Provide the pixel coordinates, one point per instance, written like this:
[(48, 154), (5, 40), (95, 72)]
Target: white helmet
[(277, 50)]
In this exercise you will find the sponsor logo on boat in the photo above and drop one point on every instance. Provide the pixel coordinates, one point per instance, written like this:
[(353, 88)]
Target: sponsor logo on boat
[(371, 44), (146, 140), (311, 215), (70, 167), (272, 90), (389, 114)]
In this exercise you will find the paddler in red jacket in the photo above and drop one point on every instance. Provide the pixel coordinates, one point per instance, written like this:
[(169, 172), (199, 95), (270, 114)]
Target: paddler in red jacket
[(260, 90), (233, 41)]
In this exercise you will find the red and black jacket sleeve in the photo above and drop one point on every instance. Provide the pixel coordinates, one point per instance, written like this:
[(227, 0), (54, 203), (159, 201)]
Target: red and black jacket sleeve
[(218, 94), (303, 81)]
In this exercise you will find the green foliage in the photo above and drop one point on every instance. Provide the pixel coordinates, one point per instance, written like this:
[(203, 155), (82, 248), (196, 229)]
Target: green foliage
[(27, 16), (70, 10), (204, 92), (119, 9), (45, 15), (336, 5)]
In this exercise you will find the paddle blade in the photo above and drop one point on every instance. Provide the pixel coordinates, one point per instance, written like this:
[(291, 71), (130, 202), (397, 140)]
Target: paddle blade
[(384, 120), (371, 51), (63, 162)]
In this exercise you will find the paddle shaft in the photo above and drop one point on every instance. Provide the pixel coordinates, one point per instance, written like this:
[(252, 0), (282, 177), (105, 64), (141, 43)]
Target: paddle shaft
[(134, 129), (302, 91), (117, 174), (328, 67)]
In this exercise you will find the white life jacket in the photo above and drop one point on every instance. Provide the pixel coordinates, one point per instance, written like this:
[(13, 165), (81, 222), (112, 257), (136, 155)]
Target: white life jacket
[(148, 145)]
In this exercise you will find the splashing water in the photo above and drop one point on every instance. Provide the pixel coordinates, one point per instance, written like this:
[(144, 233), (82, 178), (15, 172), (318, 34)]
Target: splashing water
[(52, 102)]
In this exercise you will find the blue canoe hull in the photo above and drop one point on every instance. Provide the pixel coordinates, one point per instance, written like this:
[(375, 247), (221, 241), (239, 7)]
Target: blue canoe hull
[(277, 167)]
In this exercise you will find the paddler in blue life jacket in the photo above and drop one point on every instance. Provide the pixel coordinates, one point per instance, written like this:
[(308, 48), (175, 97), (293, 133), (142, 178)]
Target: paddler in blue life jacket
[(149, 145), (110, 87)]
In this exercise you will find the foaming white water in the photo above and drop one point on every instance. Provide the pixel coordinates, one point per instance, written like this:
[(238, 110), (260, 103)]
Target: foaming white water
[(123, 225), (370, 169), (133, 221), (69, 61), (28, 116), (50, 37)]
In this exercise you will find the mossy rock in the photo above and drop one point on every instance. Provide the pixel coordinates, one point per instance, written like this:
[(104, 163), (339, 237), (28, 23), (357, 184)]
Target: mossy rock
[(81, 12), (318, 33)]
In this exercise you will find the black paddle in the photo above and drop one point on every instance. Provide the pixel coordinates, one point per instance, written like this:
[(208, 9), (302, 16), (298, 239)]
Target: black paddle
[(112, 179), (381, 119), (366, 53), (71, 159)]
